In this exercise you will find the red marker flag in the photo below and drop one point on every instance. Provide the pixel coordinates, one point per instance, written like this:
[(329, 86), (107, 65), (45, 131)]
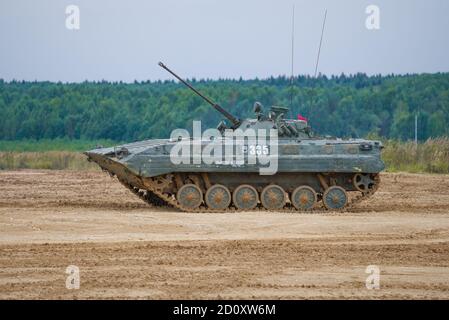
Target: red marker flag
[(300, 117)]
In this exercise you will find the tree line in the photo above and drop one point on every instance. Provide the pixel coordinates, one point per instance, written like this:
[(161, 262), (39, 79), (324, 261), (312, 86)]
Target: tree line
[(344, 106)]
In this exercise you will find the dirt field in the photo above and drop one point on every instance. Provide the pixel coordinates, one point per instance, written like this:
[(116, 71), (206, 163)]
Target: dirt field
[(125, 249)]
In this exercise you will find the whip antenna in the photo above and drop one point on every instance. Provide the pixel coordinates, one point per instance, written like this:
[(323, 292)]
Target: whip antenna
[(293, 54), (321, 40)]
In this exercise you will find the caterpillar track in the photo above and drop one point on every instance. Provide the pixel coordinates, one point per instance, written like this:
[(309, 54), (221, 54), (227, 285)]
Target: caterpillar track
[(157, 193)]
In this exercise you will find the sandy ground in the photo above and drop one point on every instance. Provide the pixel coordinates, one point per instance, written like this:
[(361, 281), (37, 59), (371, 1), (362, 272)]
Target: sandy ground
[(126, 249)]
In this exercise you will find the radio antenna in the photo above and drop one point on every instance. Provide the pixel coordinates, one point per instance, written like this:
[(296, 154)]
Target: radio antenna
[(293, 54), (321, 40)]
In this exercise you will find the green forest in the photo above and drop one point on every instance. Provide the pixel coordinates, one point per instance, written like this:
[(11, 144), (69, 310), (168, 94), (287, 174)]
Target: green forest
[(345, 106)]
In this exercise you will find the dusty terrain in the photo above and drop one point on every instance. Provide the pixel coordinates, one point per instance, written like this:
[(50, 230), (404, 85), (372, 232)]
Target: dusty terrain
[(126, 249)]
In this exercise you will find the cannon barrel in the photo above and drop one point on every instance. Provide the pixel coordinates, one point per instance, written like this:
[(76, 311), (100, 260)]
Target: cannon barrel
[(216, 106)]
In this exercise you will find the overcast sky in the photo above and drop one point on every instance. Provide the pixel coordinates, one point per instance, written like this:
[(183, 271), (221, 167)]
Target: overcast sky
[(124, 40)]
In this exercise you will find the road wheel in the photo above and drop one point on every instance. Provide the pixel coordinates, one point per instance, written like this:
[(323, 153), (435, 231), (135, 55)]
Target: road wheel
[(335, 198), (303, 198), (245, 197), (218, 197), (190, 196), (273, 197)]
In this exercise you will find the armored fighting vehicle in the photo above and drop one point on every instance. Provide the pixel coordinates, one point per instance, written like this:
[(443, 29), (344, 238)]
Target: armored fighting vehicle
[(312, 173)]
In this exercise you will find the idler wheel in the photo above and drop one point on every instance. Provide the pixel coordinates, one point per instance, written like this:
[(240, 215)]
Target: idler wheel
[(218, 197), (273, 197), (303, 198), (364, 182), (190, 196), (245, 197), (335, 198)]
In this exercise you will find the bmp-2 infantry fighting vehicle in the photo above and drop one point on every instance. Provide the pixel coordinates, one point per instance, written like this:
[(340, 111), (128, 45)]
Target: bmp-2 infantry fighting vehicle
[(310, 169)]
